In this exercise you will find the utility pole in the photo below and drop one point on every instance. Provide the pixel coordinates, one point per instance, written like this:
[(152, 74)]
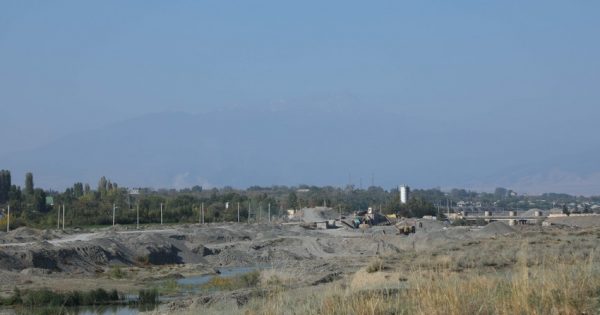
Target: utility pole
[(63, 217), (340, 209), (248, 212), (238, 212), (203, 213), (161, 217), (114, 208), (138, 216), (58, 218), (269, 213), (259, 213), (8, 220)]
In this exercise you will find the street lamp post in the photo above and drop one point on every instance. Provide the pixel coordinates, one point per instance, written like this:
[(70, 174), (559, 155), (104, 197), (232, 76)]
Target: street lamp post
[(114, 213)]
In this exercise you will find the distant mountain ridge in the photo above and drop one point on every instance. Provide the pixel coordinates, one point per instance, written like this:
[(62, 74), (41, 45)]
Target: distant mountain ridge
[(290, 146)]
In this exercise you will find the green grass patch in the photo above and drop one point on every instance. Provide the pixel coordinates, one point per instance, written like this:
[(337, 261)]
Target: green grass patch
[(47, 298), (246, 280), (116, 272)]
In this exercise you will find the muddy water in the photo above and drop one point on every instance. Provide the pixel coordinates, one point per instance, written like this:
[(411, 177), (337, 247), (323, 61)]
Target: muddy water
[(105, 310), (196, 281)]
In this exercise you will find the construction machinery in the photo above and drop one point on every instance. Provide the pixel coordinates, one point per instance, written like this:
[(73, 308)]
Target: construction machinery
[(366, 219), (406, 228)]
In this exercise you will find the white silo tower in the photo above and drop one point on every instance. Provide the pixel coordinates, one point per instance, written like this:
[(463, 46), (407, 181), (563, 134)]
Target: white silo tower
[(404, 194)]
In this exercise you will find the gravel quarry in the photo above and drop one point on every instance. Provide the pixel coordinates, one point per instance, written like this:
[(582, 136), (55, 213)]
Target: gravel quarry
[(64, 260)]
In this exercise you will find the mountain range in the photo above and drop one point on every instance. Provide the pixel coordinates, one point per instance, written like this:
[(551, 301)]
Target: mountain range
[(301, 145)]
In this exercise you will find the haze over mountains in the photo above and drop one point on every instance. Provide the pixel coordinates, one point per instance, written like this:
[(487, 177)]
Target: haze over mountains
[(307, 145), (430, 94)]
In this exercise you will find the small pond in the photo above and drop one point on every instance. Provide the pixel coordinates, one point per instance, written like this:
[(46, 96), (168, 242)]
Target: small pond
[(186, 286)]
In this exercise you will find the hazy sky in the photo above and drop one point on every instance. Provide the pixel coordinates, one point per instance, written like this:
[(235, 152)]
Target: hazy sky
[(529, 70)]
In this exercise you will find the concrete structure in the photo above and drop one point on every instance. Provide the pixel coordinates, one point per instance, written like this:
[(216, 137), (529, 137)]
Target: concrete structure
[(404, 194), (291, 213)]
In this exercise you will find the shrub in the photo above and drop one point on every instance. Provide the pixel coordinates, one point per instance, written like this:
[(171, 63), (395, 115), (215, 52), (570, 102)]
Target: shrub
[(117, 273), (250, 279), (374, 266), (148, 297), (47, 298), (246, 280), (143, 260)]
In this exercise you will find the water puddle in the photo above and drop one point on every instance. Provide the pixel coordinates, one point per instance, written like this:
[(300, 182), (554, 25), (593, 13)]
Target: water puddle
[(196, 281), (83, 310), (185, 287), (193, 284)]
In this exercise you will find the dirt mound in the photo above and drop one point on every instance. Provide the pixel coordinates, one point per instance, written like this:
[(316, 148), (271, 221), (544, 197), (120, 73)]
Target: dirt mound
[(45, 256), (439, 238), (318, 214), (26, 234), (496, 228)]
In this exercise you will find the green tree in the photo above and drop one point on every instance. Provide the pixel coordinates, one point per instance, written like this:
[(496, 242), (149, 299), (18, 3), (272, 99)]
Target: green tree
[(501, 193), (197, 189), (565, 210), (292, 200), (5, 183), (102, 185), (77, 190), (39, 200), (29, 183)]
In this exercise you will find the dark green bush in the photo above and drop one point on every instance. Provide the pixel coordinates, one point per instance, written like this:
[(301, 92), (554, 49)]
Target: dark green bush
[(47, 298), (148, 297)]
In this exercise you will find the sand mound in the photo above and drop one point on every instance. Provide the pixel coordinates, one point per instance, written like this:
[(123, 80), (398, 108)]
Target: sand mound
[(439, 238), (26, 234), (496, 228)]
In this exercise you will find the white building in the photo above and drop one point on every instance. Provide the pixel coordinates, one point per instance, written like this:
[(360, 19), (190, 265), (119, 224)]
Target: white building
[(404, 194)]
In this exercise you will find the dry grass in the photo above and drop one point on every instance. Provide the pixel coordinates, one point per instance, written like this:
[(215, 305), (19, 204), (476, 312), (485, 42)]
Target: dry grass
[(551, 288), (375, 265), (539, 274)]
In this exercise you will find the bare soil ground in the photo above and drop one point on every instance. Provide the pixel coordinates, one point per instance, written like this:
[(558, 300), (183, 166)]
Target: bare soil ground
[(298, 258)]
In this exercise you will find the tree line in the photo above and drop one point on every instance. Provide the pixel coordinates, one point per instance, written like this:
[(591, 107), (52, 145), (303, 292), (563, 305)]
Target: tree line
[(87, 206)]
